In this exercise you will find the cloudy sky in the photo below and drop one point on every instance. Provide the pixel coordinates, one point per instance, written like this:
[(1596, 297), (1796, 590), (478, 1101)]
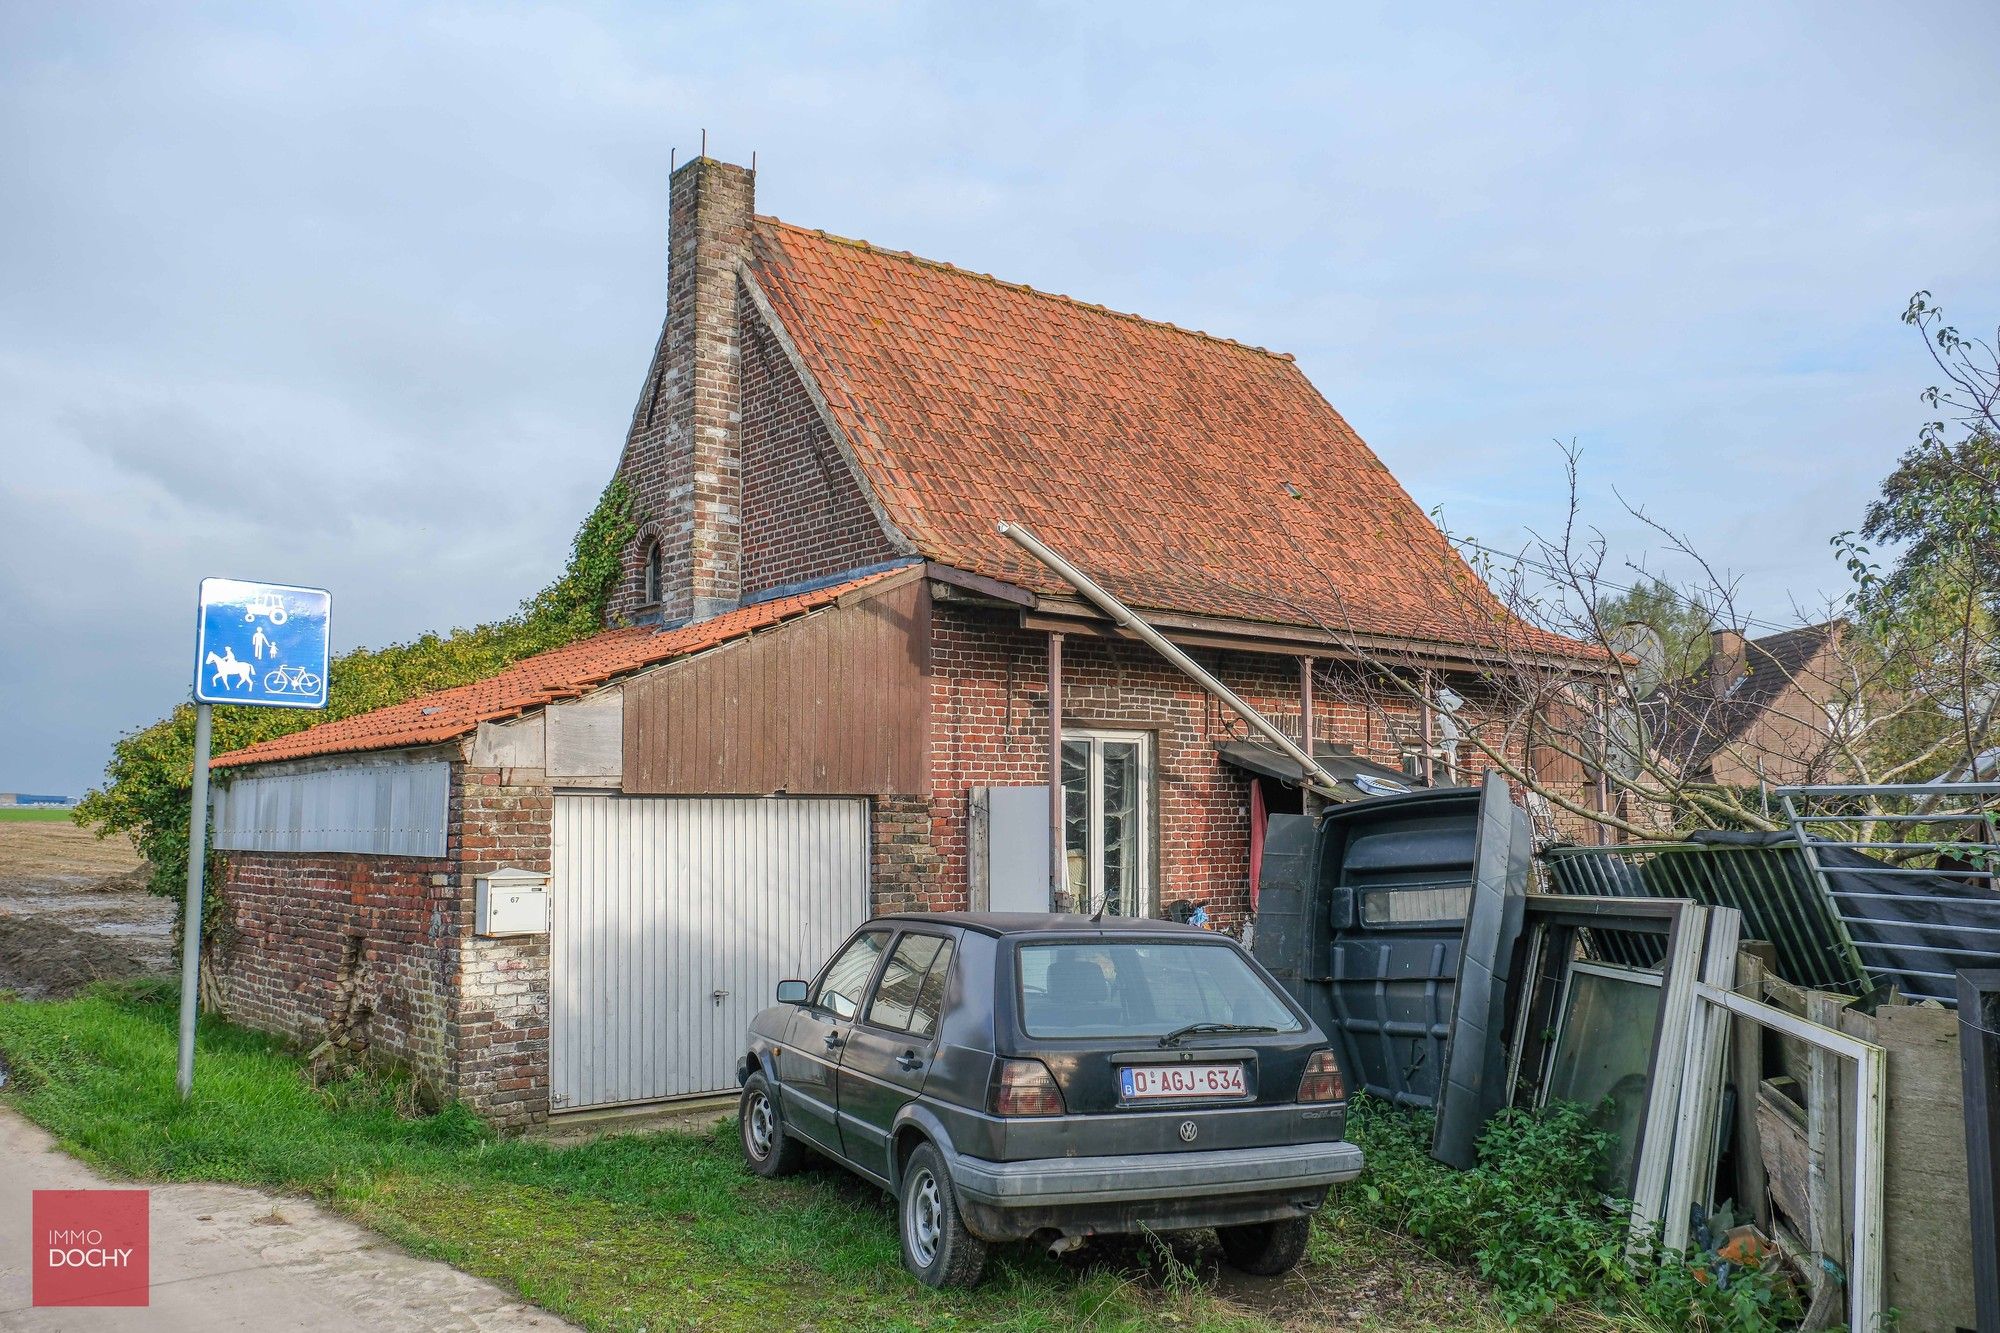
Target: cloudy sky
[(362, 297)]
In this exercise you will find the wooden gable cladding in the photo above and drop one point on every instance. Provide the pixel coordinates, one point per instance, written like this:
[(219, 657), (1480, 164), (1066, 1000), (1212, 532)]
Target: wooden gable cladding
[(835, 703)]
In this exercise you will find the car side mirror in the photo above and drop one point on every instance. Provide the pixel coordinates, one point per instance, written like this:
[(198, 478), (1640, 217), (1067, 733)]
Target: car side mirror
[(791, 992)]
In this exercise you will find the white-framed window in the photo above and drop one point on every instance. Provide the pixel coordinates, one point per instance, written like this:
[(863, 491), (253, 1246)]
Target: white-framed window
[(1108, 821), (1443, 766)]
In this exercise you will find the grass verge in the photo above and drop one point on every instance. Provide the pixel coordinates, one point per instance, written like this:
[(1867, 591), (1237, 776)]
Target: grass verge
[(667, 1230), (33, 814), (632, 1232)]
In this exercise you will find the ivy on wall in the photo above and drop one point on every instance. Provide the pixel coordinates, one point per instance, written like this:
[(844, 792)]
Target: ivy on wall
[(150, 778)]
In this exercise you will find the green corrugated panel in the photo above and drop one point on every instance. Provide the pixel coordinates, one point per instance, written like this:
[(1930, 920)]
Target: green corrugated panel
[(1781, 899)]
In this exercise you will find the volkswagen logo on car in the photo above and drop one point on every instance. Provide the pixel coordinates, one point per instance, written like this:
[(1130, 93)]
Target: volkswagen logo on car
[(1188, 1131)]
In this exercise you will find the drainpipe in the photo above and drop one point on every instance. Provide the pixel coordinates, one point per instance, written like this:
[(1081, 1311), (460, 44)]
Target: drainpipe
[(1316, 776), (1430, 740), (1057, 878)]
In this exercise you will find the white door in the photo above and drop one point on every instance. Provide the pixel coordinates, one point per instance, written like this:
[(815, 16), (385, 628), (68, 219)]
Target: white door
[(1107, 821), (673, 919)]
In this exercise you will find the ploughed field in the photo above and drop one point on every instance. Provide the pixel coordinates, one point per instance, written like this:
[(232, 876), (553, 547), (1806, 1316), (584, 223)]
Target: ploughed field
[(74, 908)]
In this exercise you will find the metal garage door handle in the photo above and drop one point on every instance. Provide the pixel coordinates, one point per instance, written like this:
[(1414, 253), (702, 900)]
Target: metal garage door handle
[(718, 995)]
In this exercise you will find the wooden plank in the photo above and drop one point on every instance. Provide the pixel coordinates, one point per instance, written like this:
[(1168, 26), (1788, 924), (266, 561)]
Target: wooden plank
[(833, 703), (917, 703), (1746, 1058), (1826, 1154), (1781, 1135), (585, 738), (992, 589)]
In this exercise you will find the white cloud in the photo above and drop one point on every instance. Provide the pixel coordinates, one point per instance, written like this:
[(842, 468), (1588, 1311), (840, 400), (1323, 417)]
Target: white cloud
[(362, 296)]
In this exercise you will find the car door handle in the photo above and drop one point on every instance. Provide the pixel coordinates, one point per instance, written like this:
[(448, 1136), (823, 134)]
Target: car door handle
[(909, 1062), (834, 1039)]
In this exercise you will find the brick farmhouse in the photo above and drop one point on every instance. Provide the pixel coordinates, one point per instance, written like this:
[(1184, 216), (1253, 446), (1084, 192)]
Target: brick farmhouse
[(830, 686)]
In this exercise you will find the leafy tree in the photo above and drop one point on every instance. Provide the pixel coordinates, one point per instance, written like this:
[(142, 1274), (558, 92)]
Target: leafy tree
[(1934, 612), (1682, 620), (149, 780), (1907, 689)]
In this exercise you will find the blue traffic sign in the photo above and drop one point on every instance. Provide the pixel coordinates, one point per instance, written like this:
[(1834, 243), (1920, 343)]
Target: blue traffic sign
[(261, 643)]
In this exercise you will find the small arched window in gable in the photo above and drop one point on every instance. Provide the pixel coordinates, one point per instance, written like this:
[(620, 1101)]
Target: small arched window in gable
[(655, 575)]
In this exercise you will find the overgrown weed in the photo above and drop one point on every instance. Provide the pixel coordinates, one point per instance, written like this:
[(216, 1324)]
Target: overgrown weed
[(1532, 1221)]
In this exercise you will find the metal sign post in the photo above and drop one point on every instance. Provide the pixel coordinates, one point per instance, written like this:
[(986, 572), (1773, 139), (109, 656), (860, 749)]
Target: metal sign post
[(191, 922), (282, 633)]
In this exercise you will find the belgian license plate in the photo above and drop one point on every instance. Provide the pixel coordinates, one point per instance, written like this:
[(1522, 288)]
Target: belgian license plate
[(1143, 1082)]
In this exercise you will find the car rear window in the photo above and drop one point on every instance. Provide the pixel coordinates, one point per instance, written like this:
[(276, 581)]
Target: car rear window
[(1142, 988)]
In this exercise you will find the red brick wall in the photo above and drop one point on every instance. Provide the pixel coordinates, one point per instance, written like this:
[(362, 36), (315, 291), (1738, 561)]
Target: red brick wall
[(292, 921), (804, 514), (502, 1018), (468, 1016), (990, 726)]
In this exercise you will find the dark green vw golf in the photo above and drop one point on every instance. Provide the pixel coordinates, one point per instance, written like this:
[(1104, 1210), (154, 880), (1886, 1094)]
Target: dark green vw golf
[(1052, 1077)]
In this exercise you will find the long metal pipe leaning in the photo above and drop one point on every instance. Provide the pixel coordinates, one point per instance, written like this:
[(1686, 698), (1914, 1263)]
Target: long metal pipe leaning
[(1321, 779)]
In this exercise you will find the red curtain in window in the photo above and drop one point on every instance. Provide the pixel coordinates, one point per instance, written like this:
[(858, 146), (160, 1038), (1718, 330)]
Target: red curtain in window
[(1260, 819)]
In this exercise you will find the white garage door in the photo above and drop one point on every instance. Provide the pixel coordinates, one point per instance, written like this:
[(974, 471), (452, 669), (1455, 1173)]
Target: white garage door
[(673, 920)]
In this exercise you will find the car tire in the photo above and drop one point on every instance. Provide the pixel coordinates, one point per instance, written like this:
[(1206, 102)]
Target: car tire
[(937, 1249), (769, 1150), (1265, 1249)]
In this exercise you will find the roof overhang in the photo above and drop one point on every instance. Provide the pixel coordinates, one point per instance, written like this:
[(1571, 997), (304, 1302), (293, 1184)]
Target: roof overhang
[(1360, 778), (1049, 612)]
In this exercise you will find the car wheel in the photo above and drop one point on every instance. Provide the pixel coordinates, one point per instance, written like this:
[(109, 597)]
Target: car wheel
[(937, 1249), (1265, 1249), (769, 1150)]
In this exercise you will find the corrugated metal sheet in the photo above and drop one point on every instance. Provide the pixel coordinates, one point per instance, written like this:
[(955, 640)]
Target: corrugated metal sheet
[(381, 809), (674, 919), (1781, 898)]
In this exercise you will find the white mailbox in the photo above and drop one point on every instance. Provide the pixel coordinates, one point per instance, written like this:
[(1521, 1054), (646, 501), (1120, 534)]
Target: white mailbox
[(511, 902)]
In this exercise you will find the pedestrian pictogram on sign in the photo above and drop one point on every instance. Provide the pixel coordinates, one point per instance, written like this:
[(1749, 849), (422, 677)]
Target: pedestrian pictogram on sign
[(261, 643)]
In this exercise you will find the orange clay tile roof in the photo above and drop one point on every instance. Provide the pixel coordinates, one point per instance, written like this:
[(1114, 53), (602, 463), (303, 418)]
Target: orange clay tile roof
[(561, 673), (1185, 472)]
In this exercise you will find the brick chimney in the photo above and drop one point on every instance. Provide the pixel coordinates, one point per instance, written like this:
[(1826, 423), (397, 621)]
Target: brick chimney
[(683, 457), (1728, 659)]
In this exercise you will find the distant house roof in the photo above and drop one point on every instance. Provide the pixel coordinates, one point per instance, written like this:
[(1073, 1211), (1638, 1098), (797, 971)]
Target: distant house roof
[(1692, 721), (562, 673), (1186, 472)]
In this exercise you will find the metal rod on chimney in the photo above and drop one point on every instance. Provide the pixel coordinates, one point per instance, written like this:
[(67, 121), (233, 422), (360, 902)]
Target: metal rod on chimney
[(1124, 615)]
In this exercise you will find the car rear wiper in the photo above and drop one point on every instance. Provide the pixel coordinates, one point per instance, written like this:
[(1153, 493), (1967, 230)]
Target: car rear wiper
[(1193, 1029)]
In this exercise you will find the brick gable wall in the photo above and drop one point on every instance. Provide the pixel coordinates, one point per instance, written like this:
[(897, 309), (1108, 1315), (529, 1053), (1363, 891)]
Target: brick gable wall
[(467, 1016), (804, 513)]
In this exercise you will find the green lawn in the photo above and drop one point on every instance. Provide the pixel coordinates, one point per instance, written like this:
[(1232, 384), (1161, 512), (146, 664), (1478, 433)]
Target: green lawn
[(33, 814), (633, 1232)]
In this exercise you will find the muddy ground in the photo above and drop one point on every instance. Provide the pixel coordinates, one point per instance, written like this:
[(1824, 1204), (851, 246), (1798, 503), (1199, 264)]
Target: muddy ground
[(74, 909)]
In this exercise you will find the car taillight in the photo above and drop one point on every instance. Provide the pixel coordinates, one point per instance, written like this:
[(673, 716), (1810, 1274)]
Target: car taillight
[(1026, 1088), (1321, 1082)]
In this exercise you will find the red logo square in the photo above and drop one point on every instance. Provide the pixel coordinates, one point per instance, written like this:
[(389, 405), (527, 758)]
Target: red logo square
[(92, 1247)]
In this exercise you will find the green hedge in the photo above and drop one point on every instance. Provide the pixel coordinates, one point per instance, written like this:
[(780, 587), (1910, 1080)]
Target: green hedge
[(149, 780)]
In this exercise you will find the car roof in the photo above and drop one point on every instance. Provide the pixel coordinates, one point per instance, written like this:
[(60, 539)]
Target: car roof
[(1048, 923)]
